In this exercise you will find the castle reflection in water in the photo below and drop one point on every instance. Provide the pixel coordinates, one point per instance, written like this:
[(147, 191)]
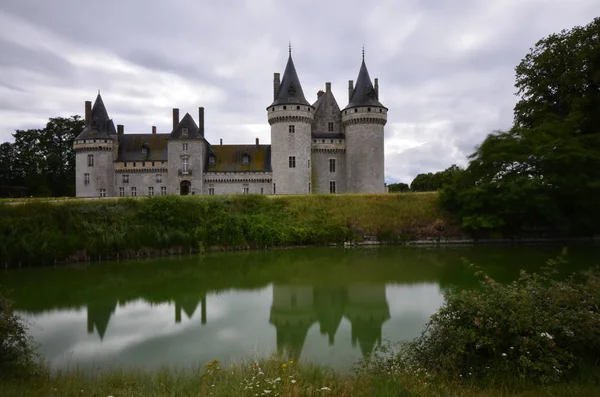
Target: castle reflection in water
[(294, 310)]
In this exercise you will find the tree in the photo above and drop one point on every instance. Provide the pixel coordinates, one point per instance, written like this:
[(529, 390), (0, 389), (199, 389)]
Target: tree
[(398, 187), (42, 160), (431, 182), (543, 175)]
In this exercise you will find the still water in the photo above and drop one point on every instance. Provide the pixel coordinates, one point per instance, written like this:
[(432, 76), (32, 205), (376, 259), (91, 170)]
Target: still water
[(328, 306)]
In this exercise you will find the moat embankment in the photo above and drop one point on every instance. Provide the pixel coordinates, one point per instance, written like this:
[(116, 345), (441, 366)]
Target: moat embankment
[(39, 232)]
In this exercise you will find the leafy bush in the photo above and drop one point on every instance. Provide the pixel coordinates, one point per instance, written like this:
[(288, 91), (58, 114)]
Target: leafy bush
[(17, 357), (536, 329)]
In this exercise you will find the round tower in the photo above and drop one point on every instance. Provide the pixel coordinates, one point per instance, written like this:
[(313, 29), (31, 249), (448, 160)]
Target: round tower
[(363, 121), (96, 149), (290, 116)]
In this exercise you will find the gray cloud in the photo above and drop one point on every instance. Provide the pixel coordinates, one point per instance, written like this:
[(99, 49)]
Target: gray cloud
[(446, 69)]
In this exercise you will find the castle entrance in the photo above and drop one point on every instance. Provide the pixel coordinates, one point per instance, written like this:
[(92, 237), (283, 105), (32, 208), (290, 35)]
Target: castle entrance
[(184, 188)]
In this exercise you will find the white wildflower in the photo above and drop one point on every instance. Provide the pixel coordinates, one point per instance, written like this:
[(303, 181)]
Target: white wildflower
[(325, 388), (266, 391), (293, 381), (277, 380), (503, 354)]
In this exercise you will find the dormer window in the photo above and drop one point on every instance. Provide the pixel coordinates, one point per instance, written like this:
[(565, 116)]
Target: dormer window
[(184, 132), (245, 159), (212, 159), (144, 151)]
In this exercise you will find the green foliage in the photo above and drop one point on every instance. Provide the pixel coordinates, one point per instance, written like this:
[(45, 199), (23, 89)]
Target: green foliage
[(433, 182), (41, 160), (17, 357), (541, 177), (398, 187), (41, 232), (536, 329)]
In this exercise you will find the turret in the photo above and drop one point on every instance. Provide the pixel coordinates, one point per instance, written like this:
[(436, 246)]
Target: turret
[(96, 148), (363, 120), (290, 116)]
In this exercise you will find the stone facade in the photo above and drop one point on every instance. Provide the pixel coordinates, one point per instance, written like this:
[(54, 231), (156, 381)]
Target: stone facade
[(315, 148)]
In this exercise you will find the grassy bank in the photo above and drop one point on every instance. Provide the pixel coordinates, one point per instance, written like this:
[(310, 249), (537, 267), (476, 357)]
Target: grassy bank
[(40, 232), (277, 378)]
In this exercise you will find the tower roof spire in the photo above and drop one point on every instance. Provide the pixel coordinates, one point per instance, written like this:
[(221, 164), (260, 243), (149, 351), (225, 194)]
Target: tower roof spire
[(364, 92), (290, 90)]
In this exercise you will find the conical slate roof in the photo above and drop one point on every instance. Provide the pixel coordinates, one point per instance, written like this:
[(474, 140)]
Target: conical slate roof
[(364, 93), (101, 125), (290, 90)]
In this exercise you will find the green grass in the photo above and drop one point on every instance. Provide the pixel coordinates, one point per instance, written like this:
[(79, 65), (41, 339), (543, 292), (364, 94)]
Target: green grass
[(42, 232), (280, 378)]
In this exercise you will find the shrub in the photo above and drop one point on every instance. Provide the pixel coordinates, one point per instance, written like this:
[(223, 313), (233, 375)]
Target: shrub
[(17, 357), (536, 329)]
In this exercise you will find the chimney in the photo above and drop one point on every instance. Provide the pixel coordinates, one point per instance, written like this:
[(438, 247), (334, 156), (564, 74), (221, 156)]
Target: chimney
[(221, 141), (201, 120), (328, 87), (175, 118), (120, 129), (88, 113), (154, 129), (319, 94), (350, 89), (377, 88), (257, 142), (276, 83)]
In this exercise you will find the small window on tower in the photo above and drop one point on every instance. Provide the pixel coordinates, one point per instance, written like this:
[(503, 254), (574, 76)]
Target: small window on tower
[(184, 132), (292, 129), (90, 160), (86, 179), (292, 161), (330, 126)]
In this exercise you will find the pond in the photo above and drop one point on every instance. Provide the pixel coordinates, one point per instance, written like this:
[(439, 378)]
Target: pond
[(328, 306)]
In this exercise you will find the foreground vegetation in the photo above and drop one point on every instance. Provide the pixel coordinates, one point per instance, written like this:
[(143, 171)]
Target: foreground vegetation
[(38, 232), (537, 336)]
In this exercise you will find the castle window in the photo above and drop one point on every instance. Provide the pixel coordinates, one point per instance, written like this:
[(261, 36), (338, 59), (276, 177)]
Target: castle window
[(292, 161), (143, 163), (285, 107), (245, 189), (133, 191), (184, 165), (380, 110), (297, 107), (150, 190), (158, 178), (368, 109), (274, 188), (273, 109), (125, 178), (144, 151), (121, 191), (163, 190), (86, 179), (90, 160), (355, 110), (262, 190), (330, 126), (153, 163), (211, 191), (102, 192), (331, 165), (308, 163), (331, 141), (323, 140), (309, 187), (331, 186), (125, 164), (246, 159), (184, 132), (134, 164), (212, 159), (162, 163), (185, 147), (292, 129)]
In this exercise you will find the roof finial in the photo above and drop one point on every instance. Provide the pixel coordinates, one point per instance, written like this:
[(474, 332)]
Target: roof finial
[(363, 53), (290, 47), (98, 91)]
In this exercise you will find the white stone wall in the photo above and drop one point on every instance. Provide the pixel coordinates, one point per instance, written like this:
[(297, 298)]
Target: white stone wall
[(195, 154), (284, 144), (101, 173), (141, 180), (365, 160), (321, 175), (225, 183)]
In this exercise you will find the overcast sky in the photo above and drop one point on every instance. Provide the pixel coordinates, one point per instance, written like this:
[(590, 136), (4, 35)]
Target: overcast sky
[(446, 68)]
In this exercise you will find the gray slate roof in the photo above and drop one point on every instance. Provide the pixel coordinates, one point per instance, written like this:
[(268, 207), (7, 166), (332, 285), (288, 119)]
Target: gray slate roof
[(364, 93), (101, 125), (290, 90), (187, 122), (130, 147)]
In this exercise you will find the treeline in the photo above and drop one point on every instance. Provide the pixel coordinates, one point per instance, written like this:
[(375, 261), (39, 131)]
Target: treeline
[(40, 162), (429, 182), (542, 176)]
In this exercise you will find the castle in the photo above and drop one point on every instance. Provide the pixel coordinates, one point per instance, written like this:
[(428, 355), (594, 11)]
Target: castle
[(314, 148)]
